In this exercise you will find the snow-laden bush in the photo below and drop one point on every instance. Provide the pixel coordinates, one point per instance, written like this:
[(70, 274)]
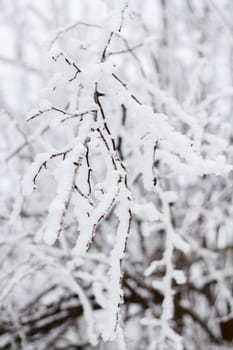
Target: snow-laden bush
[(116, 185)]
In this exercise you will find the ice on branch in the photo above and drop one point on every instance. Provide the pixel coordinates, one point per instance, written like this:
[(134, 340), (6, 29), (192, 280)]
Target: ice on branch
[(29, 180), (65, 176)]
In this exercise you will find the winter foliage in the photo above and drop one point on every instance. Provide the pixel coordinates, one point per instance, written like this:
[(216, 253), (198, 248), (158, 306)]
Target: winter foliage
[(116, 174)]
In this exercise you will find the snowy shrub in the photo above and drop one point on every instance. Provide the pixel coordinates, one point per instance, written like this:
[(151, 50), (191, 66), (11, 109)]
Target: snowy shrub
[(116, 191)]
